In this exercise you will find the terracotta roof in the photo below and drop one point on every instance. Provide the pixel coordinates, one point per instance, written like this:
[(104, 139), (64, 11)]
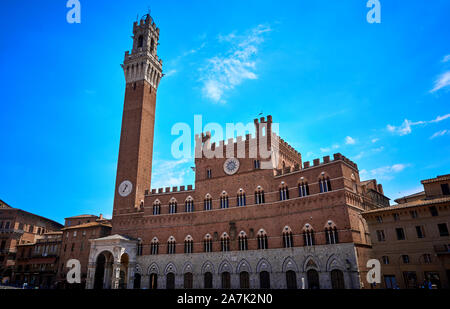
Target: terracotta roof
[(53, 233), (438, 178), (90, 224), (411, 204), (410, 196), (82, 216)]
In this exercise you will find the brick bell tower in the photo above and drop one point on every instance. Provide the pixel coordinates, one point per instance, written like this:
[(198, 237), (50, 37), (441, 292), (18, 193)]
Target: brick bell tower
[(143, 72)]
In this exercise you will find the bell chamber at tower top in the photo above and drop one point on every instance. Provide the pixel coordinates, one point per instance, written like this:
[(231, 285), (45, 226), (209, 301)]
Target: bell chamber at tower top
[(143, 62)]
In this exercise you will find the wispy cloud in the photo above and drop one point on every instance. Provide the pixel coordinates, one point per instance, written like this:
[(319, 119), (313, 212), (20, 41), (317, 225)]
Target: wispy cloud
[(350, 141), (224, 72), (367, 153), (375, 140), (441, 82), (168, 173), (170, 73), (406, 127), (440, 133), (383, 173), (328, 149), (175, 66)]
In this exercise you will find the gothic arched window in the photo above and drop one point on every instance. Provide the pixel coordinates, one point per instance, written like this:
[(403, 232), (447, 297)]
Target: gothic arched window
[(288, 240), (188, 244), (243, 241), (262, 240), (189, 204), (331, 233), (171, 245), (156, 207), (208, 202), (207, 243), (241, 201), (225, 242), (259, 196), (324, 183), (303, 188), (173, 206), (224, 200), (140, 41), (154, 246), (284, 192), (308, 235)]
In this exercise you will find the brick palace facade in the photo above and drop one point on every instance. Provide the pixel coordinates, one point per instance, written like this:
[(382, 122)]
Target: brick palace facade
[(295, 224)]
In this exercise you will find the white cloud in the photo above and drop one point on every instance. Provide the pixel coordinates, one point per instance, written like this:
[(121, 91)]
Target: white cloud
[(350, 141), (406, 127), (225, 72), (375, 140), (440, 133), (383, 173), (170, 73), (169, 173), (442, 81), (446, 58), (440, 118)]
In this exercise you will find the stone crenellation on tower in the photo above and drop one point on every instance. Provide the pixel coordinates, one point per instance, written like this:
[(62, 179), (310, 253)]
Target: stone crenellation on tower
[(143, 63)]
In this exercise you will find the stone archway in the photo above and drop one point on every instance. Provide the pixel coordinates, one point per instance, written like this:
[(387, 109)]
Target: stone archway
[(103, 270), (112, 262), (123, 275)]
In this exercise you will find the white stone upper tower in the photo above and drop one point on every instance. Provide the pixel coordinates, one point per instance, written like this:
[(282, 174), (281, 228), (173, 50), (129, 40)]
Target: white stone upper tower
[(143, 62)]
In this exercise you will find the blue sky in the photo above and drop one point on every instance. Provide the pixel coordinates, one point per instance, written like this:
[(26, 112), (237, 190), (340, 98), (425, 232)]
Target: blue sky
[(377, 93)]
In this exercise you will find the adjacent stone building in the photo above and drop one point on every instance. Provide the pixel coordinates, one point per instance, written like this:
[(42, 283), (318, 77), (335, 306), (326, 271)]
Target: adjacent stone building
[(411, 239), (76, 233), (18, 227), (258, 216), (37, 263)]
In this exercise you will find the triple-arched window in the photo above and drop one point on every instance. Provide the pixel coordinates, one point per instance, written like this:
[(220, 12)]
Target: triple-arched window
[(288, 240), (243, 241), (225, 242), (284, 192), (154, 246), (224, 200), (189, 204), (171, 245), (324, 183), (308, 235), (157, 208), (241, 201), (262, 239), (207, 243), (173, 206), (259, 196), (303, 188), (188, 244), (207, 202), (331, 233)]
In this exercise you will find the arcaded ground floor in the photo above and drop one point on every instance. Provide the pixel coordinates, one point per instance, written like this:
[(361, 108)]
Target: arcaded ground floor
[(324, 267)]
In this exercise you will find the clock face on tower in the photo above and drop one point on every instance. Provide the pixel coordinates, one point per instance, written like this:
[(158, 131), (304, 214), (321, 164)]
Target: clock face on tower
[(231, 166), (125, 188)]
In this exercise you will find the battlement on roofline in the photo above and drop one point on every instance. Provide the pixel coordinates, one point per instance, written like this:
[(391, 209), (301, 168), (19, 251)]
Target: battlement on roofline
[(278, 172), (165, 190), (249, 141), (315, 163)]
